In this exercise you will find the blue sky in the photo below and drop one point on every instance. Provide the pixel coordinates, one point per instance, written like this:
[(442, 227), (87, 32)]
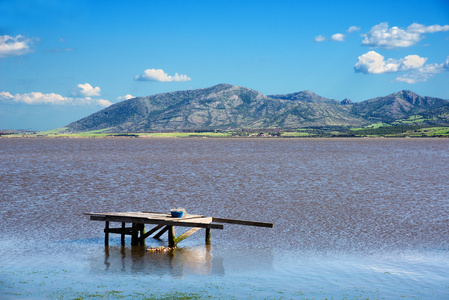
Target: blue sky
[(63, 60)]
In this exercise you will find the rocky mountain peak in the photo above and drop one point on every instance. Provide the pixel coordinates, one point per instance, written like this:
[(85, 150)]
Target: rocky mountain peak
[(304, 96), (407, 94), (346, 101)]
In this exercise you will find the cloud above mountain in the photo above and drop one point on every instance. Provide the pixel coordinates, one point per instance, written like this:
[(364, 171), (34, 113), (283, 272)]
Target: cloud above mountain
[(383, 36), (126, 97), (38, 98), (86, 90), (161, 76), (83, 97), (34, 98), (374, 63), (425, 72), (414, 66)]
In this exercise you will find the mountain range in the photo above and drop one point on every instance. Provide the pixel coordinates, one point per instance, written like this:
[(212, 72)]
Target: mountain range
[(230, 107)]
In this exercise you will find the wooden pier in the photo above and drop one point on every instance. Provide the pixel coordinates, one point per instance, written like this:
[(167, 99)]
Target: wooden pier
[(163, 223)]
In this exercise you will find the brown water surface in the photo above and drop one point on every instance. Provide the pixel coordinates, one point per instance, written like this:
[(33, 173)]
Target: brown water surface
[(351, 203)]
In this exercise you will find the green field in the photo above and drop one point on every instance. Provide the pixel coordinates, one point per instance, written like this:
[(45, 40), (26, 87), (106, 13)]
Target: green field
[(374, 130)]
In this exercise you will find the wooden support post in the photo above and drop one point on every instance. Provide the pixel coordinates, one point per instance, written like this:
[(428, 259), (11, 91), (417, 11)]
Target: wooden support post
[(171, 237), (134, 235), (141, 233), (106, 233), (207, 236), (123, 233)]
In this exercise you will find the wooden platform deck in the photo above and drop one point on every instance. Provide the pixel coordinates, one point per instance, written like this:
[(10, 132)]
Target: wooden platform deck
[(164, 222)]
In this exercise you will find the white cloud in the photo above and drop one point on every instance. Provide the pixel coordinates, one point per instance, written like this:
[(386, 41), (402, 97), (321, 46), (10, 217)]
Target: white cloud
[(411, 62), (413, 66), (374, 63), (382, 35), (86, 90), (338, 37), (353, 28), (160, 75), (37, 98), (424, 73), (103, 102), (13, 46), (6, 96), (126, 97), (419, 28), (320, 38), (88, 101)]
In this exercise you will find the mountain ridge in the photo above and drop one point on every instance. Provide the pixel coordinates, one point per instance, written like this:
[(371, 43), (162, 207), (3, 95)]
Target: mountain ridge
[(229, 107)]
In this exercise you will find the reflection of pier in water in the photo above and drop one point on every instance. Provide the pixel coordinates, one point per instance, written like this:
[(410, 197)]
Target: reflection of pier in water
[(176, 263), (201, 260)]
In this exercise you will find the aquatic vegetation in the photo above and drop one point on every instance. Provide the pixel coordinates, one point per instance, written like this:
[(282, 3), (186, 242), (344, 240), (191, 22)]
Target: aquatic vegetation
[(160, 249)]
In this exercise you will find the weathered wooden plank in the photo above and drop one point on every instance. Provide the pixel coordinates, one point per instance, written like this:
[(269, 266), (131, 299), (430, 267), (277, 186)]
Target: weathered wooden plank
[(199, 219), (187, 223), (153, 212), (242, 222), (156, 216), (148, 215), (168, 216), (186, 234)]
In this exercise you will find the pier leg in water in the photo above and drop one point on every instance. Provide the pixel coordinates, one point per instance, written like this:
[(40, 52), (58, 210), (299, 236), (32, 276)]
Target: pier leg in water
[(123, 233), (141, 240), (134, 235), (106, 257), (106, 233), (171, 237), (207, 236)]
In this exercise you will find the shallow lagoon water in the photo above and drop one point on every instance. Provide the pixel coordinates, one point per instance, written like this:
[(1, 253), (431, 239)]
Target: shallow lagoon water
[(354, 218)]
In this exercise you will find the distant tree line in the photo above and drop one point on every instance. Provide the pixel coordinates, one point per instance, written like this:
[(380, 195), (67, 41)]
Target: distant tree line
[(389, 130)]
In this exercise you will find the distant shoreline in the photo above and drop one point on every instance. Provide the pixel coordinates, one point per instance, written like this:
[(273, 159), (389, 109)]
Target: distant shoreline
[(198, 136), (372, 131)]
